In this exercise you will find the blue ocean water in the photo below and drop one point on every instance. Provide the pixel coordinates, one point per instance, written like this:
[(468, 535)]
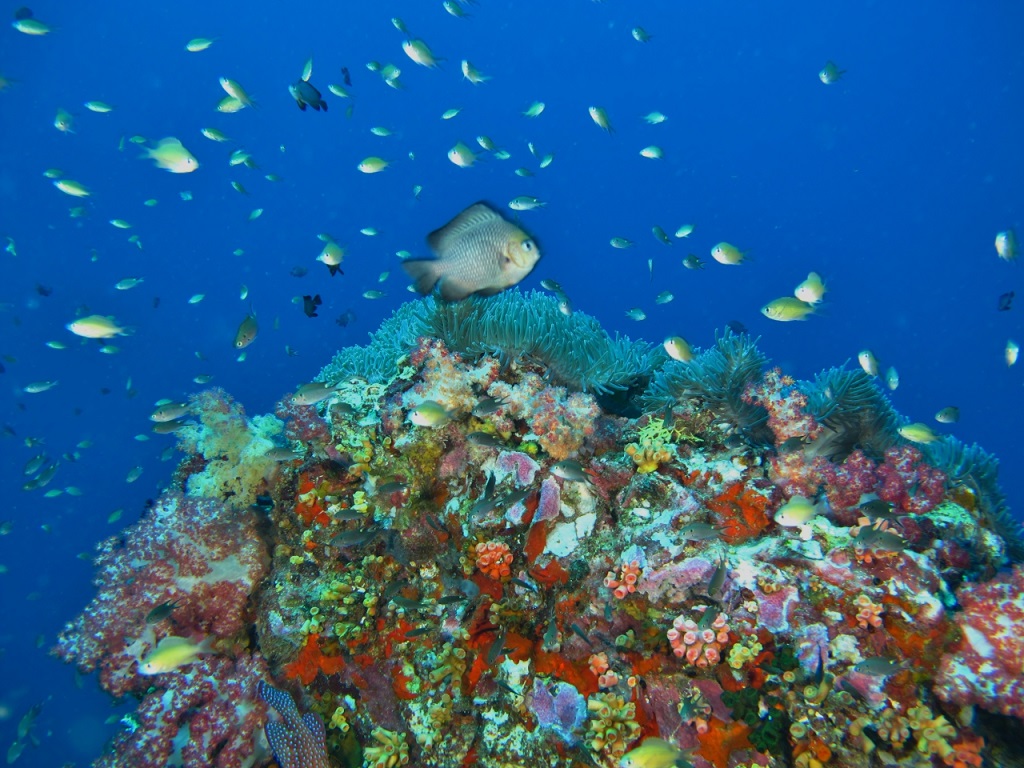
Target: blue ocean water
[(891, 183)]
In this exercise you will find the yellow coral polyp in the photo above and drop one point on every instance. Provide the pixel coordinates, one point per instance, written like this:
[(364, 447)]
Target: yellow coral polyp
[(390, 751), (648, 455), (339, 720)]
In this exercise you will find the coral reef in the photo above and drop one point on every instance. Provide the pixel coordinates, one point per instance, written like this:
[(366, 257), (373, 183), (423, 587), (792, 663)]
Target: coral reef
[(542, 575)]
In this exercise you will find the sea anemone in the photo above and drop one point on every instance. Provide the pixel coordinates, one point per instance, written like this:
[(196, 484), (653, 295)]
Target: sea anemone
[(970, 466), (574, 348), (855, 412), (716, 380)]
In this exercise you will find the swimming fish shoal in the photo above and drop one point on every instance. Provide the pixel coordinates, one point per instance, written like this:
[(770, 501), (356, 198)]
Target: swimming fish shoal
[(477, 252)]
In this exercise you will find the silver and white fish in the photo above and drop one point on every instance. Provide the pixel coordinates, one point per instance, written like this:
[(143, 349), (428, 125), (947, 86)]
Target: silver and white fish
[(477, 252)]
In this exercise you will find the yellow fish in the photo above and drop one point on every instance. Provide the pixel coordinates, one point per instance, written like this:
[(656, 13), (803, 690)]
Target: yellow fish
[(171, 155), (247, 331), (96, 327), (600, 118), (811, 290), (172, 652), (725, 253), (918, 433), (796, 512), (477, 252), (1006, 245), (655, 753), (420, 52), (679, 349), (786, 309)]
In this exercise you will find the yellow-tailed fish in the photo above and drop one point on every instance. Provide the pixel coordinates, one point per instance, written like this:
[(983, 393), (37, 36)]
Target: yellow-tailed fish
[(1011, 353), (338, 90), (456, 10), (372, 165), (652, 152), (655, 753), (635, 313), (786, 309), (462, 155), (621, 242), (247, 331), (948, 415), (725, 253), (796, 512), (661, 235), (229, 105), (811, 290), (486, 142), (678, 348), (73, 188), (197, 44), (654, 118), (1006, 245), (120, 224), (534, 109), (30, 26), (96, 327), (918, 433), (477, 252), (600, 118), (213, 134), (172, 652), (65, 121), (830, 73), (429, 414), (236, 91), (332, 255), (171, 155), (868, 362), (471, 73), (892, 378), (685, 230), (525, 203), (99, 107), (420, 52)]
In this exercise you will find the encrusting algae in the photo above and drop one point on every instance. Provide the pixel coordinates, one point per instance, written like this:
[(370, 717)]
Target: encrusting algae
[(572, 585)]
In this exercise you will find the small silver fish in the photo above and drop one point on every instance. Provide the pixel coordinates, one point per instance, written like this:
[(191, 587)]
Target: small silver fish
[(570, 470)]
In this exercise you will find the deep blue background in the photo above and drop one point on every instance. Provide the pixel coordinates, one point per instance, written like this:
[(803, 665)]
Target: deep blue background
[(891, 183)]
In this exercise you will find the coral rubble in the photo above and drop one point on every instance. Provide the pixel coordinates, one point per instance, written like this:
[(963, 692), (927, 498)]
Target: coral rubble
[(540, 579)]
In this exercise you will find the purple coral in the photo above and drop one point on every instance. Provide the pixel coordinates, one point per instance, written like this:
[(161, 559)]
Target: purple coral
[(564, 712)]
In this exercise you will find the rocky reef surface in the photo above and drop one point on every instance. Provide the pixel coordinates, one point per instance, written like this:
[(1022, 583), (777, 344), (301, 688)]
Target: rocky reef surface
[(483, 548)]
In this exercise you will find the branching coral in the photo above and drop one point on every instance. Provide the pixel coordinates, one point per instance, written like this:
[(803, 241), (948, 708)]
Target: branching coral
[(717, 380)]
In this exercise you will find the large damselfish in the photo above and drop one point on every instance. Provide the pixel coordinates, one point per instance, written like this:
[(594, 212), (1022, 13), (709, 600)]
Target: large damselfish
[(477, 252)]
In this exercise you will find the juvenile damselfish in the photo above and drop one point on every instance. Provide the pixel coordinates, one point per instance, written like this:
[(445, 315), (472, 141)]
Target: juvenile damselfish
[(477, 252)]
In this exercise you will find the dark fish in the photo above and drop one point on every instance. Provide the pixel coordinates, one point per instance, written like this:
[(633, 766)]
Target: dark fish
[(419, 631), (819, 671), (570, 470), (699, 532), (707, 618), (264, 501), (347, 515), (298, 272), (578, 631), (23, 13), (407, 603), (395, 486), (514, 498), (879, 666), (310, 303), (346, 75), (506, 687), (1005, 301), (247, 331), (451, 599), (869, 536), (44, 290), (523, 584), (736, 326), (487, 406), (345, 318), (485, 439), (877, 508), (496, 647), (791, 444), (357, 537), (948, 415), (718, 578), (478, 251), (161, 612), (306, 95)]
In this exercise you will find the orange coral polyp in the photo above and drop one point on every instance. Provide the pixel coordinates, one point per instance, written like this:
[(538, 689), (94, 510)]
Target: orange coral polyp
[(493, 558)]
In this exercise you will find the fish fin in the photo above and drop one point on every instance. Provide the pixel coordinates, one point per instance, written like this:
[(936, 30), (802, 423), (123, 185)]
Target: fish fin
[(472, 217), (490, 291), (424, 272), (172, 641), (334, 269), (301, 105), (452, 290)]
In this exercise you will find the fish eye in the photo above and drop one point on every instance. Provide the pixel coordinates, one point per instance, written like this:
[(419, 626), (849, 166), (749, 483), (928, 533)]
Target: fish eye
[(527, 245)]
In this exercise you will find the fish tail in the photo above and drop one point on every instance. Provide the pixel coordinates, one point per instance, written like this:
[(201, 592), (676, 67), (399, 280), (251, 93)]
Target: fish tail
[(424, 272)]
